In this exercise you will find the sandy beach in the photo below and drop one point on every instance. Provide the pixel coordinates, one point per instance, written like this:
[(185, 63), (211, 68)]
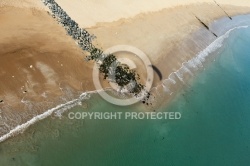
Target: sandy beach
[(41, 64)]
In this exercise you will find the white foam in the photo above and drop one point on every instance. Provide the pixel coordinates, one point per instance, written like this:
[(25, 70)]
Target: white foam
[(58, 110), (66, 107), (196, 62), (171, 77), (179, 75), (166, 89), (186, 69)]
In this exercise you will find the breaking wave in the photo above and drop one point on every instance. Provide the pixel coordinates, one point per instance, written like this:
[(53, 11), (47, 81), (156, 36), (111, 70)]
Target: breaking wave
[(58, 110), (193, 64)]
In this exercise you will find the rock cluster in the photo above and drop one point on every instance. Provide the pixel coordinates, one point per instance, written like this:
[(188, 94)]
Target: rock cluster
[(122, 75), (83, 38)]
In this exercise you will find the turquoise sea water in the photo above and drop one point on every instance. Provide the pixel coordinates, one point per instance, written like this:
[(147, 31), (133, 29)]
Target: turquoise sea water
[(214, 128)]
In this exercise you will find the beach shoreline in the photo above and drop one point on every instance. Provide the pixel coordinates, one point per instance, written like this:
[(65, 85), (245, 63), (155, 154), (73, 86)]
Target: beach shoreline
[(105, 42), (59, 110)]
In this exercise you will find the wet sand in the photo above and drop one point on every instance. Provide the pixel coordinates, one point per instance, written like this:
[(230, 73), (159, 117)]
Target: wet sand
[(40, 66)]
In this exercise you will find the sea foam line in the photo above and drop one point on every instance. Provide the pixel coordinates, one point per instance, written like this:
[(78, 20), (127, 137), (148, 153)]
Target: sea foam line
[(58, 110), (197, 60)]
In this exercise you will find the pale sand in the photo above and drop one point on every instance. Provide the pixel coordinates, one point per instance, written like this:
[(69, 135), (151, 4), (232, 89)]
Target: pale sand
[(38, 57), (36, 4), (88, 13)]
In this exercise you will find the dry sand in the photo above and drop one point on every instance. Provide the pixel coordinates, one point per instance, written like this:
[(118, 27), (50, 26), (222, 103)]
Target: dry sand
[(36, 4), (39, 62), (88, 13)]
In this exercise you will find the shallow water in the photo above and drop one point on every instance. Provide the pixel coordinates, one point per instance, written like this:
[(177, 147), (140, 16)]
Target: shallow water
[(214, 128)]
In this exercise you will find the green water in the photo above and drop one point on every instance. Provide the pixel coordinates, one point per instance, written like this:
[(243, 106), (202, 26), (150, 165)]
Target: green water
[(214, 128)]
